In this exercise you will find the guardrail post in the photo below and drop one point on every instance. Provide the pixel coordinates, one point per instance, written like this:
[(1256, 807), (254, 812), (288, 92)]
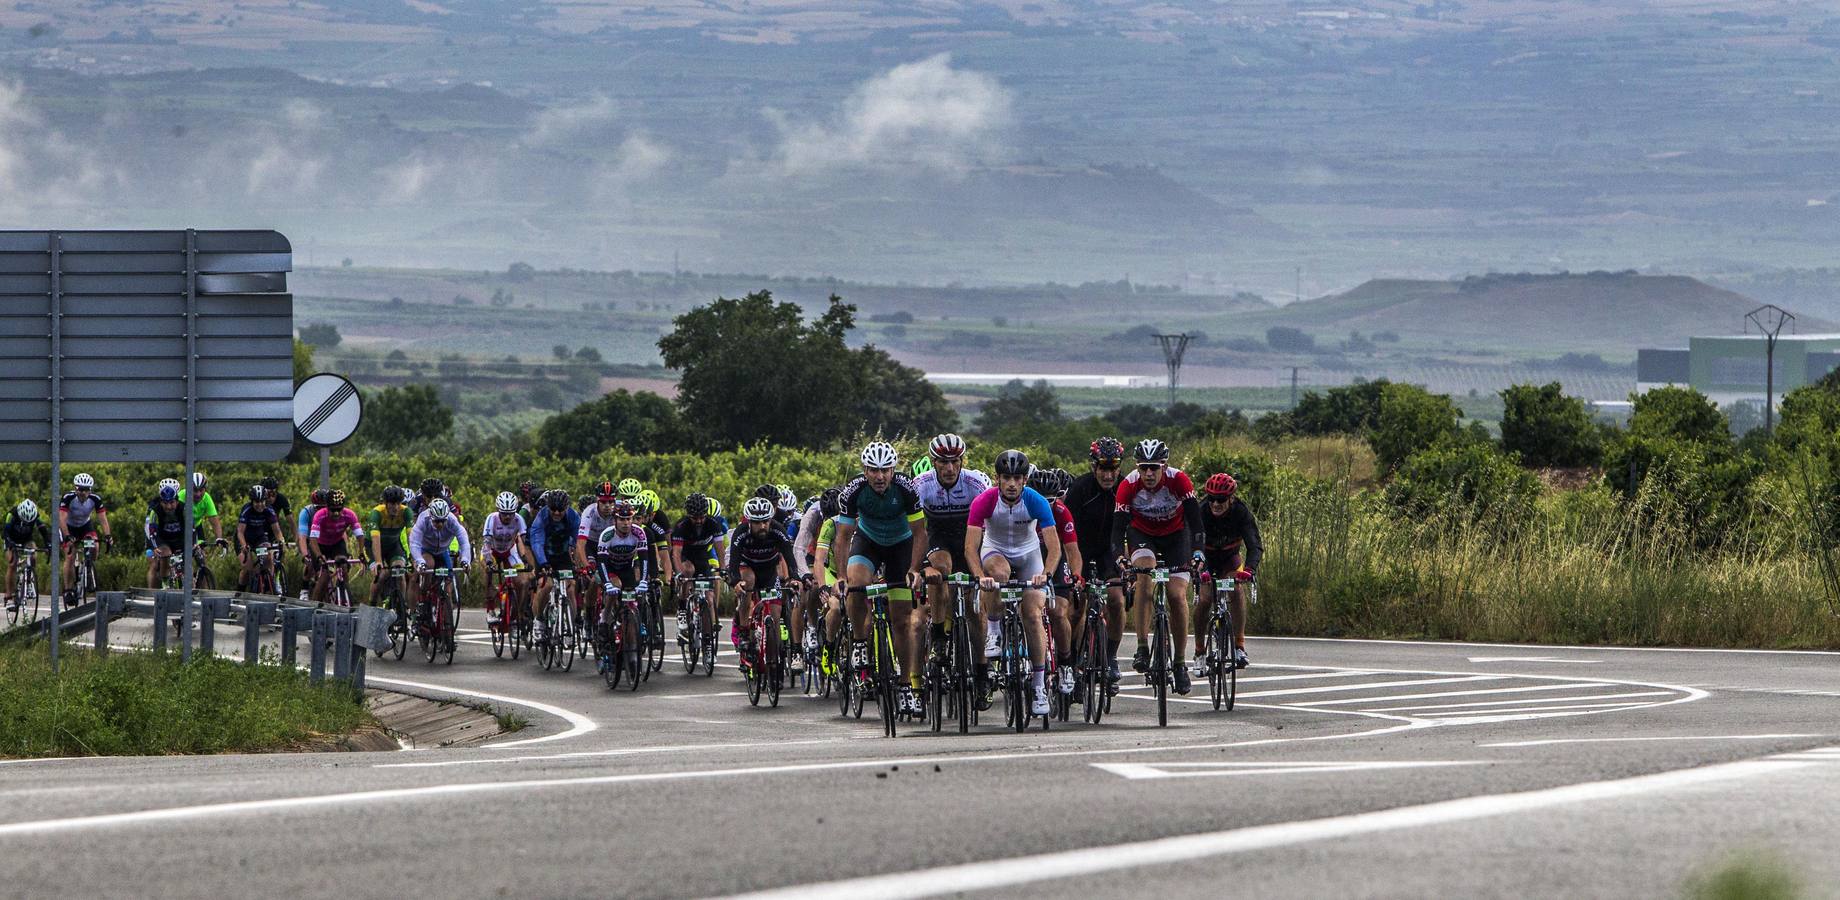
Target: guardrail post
[(293, 619), (165, 605), (210, 609), (256, 613), (108, 605), (359, 661), (343, 625), (322, 631)]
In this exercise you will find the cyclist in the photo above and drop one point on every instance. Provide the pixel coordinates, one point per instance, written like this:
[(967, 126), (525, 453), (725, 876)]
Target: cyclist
[(620, 550), (1009, 533), (812, 524), (530, 497), (431, 490), (327, 538), (759, 555), (303, 525), (946, 491), (387, 522), (1231, 552), (502, 549), (596, 517), (1066, 614), (258, 524), (1092, 498), (204, 509), (22, 524), (278, 502), (697, 541), (658, 525), (826, 600), (79, 513), (786, 511), (431, 539), (885, 529), (1156, 513), (550, 537), (629, 490), (165, 532)]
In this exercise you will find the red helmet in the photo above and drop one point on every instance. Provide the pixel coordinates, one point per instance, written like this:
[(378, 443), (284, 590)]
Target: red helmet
[(947, 446), (603, 492), (1220, 485)]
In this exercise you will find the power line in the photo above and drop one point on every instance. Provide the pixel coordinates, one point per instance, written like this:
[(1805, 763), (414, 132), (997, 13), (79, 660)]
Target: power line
[(1174, 347)]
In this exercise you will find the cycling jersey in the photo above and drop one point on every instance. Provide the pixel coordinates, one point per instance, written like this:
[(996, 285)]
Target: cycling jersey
[(1092, 507), (284, 510), (165, 526), (695, 541), (16, 533), (329, 527), (205, 508), (1011, 529), (1234, 534), (760, 552), (947, 507), (808, 533), (885, 518), (432, 537), (1063, 523), (1158, 511), (258, 525), (79, 510), (550, 538), (593, 523), (622, 551), (827, 534), (389, 527), (304, 523), (501, 536)]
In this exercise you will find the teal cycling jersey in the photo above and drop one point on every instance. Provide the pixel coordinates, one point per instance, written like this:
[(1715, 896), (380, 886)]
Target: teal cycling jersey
[(887, 517)]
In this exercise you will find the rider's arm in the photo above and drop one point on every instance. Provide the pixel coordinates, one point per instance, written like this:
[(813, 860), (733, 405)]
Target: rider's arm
[(919, 527), (415, 540), (974, 543), (1050, 549), (809, 525), (1249, 534), (1191, 511), (794, 561), (102, 518), (466, 546)]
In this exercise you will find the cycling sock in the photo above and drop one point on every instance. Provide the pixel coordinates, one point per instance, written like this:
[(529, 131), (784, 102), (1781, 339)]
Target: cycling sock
[(1041, 675), (996, 631), (939, 632)]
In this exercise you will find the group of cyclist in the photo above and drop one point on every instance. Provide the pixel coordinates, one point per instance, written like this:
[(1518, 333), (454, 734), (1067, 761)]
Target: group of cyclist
[(910, 531)]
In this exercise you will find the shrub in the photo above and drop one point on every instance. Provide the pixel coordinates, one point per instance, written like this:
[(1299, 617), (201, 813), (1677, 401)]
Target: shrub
[(1410, 419), (1548, 429), (1468, 481)]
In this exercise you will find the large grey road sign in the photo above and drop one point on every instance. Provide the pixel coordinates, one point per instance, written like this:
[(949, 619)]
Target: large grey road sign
[(115, 342)]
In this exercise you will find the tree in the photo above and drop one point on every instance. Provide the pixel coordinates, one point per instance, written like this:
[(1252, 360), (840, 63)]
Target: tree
[(320, 334), (1344, 410), (561, 352), (641, 423), (588, 355), (1284, 338), (303, 361), (546, 395), (754, 370), (1020, 406), (399, 417), (1411, 419), (896, 399), (520, 271), (1549, 429), (1677, 412), (453, 366)]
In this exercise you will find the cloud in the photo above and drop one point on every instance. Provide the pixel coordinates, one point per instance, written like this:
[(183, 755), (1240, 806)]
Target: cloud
[(558, 123), (924, 114), (41, 168), (407, 180)]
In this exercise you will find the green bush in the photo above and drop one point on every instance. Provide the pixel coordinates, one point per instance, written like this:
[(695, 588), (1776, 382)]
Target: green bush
[(1548, 429), (1411, 419), (1469, 481)]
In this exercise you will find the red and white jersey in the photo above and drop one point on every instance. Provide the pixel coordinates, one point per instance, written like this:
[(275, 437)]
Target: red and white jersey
[(1063, 522), (1159, 511)]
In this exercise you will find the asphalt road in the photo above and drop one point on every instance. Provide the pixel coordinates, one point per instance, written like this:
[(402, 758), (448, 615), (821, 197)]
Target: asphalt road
[(1349, 769)]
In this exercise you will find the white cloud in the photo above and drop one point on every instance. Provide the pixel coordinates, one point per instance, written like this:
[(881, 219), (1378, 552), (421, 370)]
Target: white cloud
[(640, 157), (924, 114), (558, 123), (40, 168), (408, 179)]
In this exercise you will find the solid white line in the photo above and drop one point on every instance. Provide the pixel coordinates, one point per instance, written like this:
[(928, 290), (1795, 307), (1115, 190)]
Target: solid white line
[(590, 754), (1000, 873), (1527, 700), (1373, 685), (578, 723), (1525, 712), (1154, 771), (1343, 673), (1621, 740), (1512, 690), (1601, 647)]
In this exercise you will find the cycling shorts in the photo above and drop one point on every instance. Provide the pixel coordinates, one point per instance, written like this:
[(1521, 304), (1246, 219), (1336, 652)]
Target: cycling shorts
[(627, 576), (766, 575), (332, 551), (443, 558), (392, 547), (1221, 563), (74, 533), (955, 548), (509, 559), (702, 566), (1171, 550), (891, 560), (1022, 568)]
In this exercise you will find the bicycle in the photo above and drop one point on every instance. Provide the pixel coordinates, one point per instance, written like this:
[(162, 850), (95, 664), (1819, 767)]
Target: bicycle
[(619, 641), (440, 617), (651, 610), (25, 586), (767, 648), (1162, 652), (811, 646), (264, 573), (1093, 665), (587, 613), (556, 649), (951, 669), (1014, 673), (1222, 670), (85, 581), (512, 626), (175, 571), (338, 590), (698, 646), (881, 659), (387, 592)]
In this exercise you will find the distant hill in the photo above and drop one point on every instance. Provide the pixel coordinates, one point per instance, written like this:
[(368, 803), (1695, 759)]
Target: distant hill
[(1617, 312)]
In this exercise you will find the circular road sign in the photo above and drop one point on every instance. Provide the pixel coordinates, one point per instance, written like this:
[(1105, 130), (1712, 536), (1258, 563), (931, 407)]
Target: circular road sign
[(326, 410)]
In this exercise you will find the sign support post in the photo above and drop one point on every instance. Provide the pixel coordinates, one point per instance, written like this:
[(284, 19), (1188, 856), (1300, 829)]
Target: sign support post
[(57, 445)]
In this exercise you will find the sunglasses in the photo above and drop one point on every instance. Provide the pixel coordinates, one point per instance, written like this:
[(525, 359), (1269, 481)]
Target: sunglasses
[(1150, 468), (1106, 468)]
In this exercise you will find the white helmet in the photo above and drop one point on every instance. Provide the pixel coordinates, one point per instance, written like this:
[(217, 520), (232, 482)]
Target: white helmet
[(788, 501), (757, 509), (438, 510), (84, 481), (170, 483), (27, 511), (879, 455), (198, 480), (507, 502)]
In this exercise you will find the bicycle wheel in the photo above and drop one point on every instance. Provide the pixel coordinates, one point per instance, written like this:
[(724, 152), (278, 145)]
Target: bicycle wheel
[(566, 636), (20, 579), (204, 581), (1094, 668), (450, 621), (708, 653), (688, 647), (935, 694), (962, 683), (1226, 663), (845, 677), (502, 628), (399, 629), (884, 677), (632, 652), (654, 631), (430, 635), (1159, 666), (752, 668), (775, 655), (608, 662)]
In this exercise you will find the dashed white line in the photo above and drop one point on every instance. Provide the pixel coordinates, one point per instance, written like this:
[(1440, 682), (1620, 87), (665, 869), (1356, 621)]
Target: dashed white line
[(1524, 700), (1563, 686), (1375, 685), (1684, 737)]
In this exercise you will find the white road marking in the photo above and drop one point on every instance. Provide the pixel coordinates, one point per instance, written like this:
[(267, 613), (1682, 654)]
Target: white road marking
[(590, 754), (692, 696), (578, 723), (1621, 740), (1562, 686), (1526, 700), (1374, 685), (1339, 673), (1538, 659), (1524, 713), (1599, 648), (1000, 873), (1151, 771)]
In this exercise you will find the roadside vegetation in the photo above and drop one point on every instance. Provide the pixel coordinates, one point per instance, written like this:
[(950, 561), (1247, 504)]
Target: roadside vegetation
[(143, 704)]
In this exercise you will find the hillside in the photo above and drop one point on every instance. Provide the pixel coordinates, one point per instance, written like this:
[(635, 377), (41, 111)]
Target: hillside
[(1609, 312)]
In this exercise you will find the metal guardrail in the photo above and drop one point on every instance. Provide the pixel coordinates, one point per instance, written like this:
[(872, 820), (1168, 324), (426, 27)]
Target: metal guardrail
[(335, 633)]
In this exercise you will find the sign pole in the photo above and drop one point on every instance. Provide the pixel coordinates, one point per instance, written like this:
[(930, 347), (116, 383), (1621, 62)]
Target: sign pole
[(57, 446), (192, 490), (325, 468)]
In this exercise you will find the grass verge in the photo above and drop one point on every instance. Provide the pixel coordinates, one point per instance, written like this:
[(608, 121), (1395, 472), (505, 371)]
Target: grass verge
[(140, 704)]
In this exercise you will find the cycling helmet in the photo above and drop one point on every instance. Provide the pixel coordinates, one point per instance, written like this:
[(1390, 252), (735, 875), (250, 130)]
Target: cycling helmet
[(1107, 450), (507, 502), (393, 494), (830, 503), (604, 492), (788, 501), (1220, 485), (527, 489), (318, 498), (271, 484), (257, 493), (556, 500), (630, 487), (922, 466), (1042, 480), (84, 481), (649, 502), (758, 509), (438, 510), (1063, 480), (336, 501), (169, 494), (767, 492), (947, 446), (431, 487), (715, 507), (879, 455), (27, 511), (1012, 462), (197, 480), (696, 506), (624, 509), (170, 482), (1151, 450)]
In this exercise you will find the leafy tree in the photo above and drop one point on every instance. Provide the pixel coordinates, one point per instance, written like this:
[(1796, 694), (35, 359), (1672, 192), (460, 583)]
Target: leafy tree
[(1677, 412), (641, 422), (303, 361), (1411, 419), (399, 417), (1470, 479), (588, 355), (1809, 414), (1353, 409), (561, 352), (546, 395), (1549, 429), (520, 271), (897, 399), (320, 334), (1020, 406), (396, 359), (1284, 338)]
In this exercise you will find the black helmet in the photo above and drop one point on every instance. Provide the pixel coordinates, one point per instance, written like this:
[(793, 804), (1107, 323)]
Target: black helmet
[(257, 493), (1151, 450), (271, 484), (431, 487), (696, 505), (830, 503), (767, 492), (1042, 480), (527, 490), (557, 501), (1012, 462), (392, 494)]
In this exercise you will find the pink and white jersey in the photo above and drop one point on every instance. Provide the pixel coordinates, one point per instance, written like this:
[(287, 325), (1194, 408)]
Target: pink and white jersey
[(1156, 512), (1012, 529)]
